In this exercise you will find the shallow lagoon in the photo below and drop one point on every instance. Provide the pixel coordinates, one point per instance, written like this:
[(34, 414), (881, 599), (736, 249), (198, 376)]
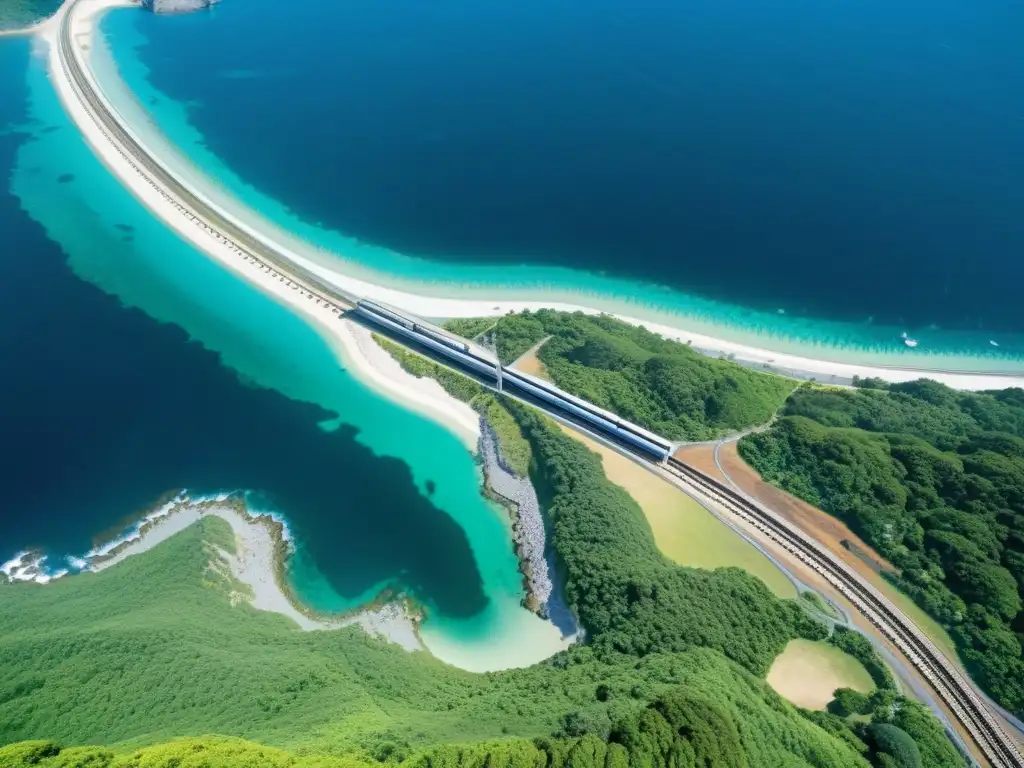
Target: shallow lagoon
[(177, 374)]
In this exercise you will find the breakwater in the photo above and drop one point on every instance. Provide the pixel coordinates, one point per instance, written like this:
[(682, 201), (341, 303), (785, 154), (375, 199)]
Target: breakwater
[(528, 524)]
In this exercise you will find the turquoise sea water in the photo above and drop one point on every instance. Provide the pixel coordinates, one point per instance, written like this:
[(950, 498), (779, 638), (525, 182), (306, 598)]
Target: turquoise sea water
[(112, 405), (277, 124)]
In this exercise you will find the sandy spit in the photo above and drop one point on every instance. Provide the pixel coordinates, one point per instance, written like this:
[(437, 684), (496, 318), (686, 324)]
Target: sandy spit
[(351, 342), (306, 255)]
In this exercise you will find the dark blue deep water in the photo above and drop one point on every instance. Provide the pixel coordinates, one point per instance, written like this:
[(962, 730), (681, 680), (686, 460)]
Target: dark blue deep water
[(104, 409), (844, 159)]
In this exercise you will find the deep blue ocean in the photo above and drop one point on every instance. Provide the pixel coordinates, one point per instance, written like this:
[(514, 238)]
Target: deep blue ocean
[(844, 160), (104, 409), (135, 366)]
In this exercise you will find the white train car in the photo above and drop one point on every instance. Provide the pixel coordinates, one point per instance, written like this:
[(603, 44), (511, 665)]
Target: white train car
[(620, 424), (614, 426), (410, 330)]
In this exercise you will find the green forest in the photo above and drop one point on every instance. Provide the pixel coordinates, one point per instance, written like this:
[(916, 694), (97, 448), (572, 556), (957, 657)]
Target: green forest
[(662, 385), (933, 479), (147, 658)]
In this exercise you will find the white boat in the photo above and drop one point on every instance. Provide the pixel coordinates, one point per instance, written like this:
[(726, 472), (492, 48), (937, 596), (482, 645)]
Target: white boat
[(993, 343), (908, 341)]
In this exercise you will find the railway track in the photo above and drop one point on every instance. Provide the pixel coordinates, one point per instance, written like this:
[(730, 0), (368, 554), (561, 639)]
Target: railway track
[(956, 692), (180, 196)]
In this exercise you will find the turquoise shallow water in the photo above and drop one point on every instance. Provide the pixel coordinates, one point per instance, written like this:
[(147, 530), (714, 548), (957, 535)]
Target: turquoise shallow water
[(785, 329), (111, 242)]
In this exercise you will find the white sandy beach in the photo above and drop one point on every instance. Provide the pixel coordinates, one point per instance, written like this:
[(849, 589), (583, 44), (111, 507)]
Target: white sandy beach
[(352, 343), (306, 255)]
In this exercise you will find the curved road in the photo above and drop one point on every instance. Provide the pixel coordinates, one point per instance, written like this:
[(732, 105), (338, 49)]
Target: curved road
[(957, 693)]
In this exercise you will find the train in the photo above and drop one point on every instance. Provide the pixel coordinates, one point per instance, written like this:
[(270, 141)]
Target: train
[(461, 352), (605, 421)]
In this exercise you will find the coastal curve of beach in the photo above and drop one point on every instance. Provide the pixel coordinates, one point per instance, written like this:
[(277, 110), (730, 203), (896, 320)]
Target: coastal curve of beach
[(351, 343), (83, 24), (255, 565)]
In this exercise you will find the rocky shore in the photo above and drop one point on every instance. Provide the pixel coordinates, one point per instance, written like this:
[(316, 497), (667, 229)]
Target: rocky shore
[(256, 566), (176, 6), (527, 523)]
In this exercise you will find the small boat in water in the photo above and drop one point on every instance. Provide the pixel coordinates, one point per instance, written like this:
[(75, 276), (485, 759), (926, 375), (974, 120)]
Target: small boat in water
[(908, 341), (993, 343)]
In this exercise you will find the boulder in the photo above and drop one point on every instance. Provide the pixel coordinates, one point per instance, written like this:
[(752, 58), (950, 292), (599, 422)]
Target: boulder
[(176, 6)]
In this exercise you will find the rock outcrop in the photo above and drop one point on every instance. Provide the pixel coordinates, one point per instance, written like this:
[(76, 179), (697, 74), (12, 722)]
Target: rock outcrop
[(528, 530), (176, 6)]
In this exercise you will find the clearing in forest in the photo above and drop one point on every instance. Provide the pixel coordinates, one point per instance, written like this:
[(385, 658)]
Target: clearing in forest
[(808, 672), (684, 531), (529, 363)]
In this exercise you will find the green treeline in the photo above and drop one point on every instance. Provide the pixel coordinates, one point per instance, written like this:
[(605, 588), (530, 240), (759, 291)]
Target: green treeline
[(154, 650), (679, 729), (858, 646), (902, 719), (629, 597), (934, 480), (662, 385), (514, 448)]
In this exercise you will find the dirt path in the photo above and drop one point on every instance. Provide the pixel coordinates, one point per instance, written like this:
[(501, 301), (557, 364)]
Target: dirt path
[(701, 456), (831, 532), (528, 362)]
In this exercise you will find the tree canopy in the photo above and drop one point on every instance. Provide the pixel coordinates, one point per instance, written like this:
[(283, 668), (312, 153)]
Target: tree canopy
[(933, 479), (628, 596), (660, 384)]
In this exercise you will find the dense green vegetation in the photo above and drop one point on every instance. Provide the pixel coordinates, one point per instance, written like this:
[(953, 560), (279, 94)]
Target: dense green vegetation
[(470, 327), (630, 598), (153, 649), (679, 728), (660, 384), (934, 479), (858, 646), (157, 648), (514, 448), (845, 719)]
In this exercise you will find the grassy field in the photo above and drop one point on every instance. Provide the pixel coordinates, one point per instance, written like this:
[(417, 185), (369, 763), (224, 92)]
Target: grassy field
[(685, 532), (807, 673)]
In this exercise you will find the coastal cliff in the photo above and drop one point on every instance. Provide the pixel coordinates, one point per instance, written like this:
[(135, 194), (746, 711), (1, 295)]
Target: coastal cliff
[(176, 6)]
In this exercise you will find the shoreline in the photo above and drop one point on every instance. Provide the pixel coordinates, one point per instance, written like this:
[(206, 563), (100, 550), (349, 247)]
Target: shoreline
[(350, 342), (262, 549), (306, 255), (36, 27)]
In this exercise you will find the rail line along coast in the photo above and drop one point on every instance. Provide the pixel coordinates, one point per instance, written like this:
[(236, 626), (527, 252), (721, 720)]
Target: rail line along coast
[(255, 252)]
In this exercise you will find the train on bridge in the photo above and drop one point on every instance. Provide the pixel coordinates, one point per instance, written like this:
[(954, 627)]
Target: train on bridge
[(485, 365)]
